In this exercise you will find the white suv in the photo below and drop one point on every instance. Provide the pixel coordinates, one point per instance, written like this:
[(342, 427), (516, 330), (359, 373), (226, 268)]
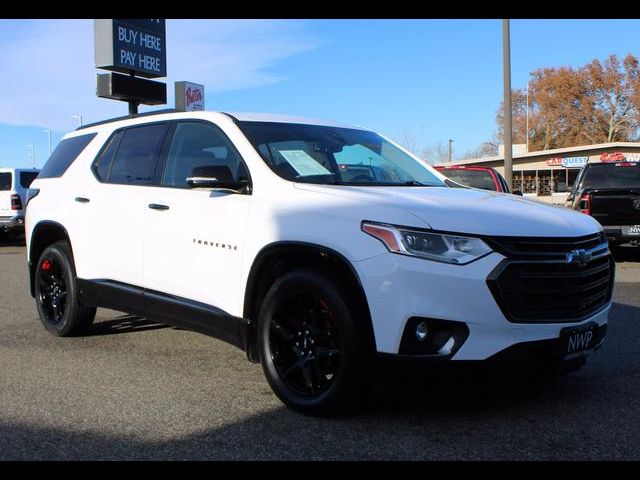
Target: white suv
[(318, 248), (14, 184)]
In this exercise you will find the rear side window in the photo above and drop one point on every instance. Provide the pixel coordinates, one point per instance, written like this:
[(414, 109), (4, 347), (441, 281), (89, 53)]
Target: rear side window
[(136, 158), (64, 155), (5, 181), (26, 178), (102, 165)]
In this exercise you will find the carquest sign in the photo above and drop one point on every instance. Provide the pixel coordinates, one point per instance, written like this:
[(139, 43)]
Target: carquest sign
[(567, 162), (131, 45)]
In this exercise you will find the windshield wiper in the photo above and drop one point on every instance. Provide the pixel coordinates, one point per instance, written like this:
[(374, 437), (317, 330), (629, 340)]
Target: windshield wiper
[(415, 183), (324, 178)]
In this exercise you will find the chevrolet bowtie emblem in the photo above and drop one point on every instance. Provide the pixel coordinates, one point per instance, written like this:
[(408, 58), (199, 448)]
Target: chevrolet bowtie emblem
[(580, 257)]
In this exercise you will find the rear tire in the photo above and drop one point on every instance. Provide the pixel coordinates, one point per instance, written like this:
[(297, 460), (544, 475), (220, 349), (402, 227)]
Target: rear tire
[(57, 295), (313, 353)]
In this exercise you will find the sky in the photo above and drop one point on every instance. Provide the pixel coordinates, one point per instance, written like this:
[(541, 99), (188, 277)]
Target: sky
[(427, 80)]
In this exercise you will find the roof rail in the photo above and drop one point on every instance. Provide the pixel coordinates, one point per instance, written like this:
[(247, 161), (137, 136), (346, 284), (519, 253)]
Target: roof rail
[(128, 117)]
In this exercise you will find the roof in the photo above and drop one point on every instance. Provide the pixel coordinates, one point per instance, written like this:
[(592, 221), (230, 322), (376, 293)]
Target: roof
[(551, 153), (240, 116), (283, 118)]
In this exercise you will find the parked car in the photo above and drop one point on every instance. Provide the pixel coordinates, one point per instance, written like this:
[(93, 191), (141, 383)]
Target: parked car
[(14, 184), (319, 249), (485, 178), (610, 193)]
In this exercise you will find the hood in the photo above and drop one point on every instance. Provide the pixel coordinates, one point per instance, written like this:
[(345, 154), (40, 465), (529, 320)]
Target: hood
[(470, 210)]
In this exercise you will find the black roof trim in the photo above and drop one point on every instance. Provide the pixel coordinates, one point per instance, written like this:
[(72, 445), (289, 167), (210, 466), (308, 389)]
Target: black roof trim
[(235, 120), (129, 117)]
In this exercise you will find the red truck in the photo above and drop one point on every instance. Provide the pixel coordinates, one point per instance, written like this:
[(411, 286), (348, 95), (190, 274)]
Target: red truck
[(485, 178)]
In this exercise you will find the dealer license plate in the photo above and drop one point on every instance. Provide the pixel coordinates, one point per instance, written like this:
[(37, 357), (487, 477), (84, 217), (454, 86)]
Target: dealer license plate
[(578, 341)]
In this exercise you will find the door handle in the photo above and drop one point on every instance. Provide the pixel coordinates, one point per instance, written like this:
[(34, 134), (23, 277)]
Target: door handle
[(82, 200), (157, 206)]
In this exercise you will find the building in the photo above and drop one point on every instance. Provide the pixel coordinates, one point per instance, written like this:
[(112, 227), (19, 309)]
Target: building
[(549, 174)]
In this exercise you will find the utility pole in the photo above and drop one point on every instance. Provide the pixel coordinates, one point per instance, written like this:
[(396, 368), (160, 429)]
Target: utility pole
[(79, 117), (450, 142), (527, 133), (48, 132), (508, 163)]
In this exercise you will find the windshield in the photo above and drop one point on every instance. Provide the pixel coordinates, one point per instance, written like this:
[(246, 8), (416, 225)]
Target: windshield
[(472, 178), (332, 155), (612, 175)]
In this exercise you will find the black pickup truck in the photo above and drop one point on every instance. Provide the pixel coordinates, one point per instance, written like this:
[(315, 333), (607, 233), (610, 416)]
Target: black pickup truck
[(610, 193)]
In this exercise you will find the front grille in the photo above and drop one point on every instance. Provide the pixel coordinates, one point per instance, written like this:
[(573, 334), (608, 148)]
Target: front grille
[(542, 246), (537, 285)]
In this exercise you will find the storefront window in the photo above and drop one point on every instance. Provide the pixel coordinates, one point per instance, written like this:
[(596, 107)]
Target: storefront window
[(544, 179), (572, 174), (559, 178), (530, 181), (516, 182)]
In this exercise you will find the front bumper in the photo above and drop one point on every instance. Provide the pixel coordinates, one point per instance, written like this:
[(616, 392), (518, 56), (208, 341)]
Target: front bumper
[(616, 234), (400, 287)]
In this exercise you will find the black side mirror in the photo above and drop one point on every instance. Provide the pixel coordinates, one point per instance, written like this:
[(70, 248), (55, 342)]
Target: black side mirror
[(517, 192), (215, 176)]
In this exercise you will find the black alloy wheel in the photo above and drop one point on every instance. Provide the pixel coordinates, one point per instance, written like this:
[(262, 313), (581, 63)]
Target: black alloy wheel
[(313, 348), (56, 292), (52, 289), (305, 343)]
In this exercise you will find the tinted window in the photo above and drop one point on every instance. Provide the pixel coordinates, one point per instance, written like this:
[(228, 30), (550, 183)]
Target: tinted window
[(64, 155), (136, 159), (5, 181), (344, 156), (26, 178), (472, 178), (197, 144), (103, 162), (612, 175)]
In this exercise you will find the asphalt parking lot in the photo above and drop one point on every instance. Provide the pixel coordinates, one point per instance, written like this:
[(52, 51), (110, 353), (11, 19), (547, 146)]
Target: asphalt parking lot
[(134, 389)]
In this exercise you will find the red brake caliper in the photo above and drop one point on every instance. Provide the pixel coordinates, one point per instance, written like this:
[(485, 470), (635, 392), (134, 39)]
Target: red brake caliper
[(46, 265)]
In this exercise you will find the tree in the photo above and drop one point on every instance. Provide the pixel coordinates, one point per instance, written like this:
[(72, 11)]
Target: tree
[(596, 103), (430, 153)]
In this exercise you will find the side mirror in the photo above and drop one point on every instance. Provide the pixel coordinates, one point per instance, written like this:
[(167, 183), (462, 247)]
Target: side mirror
[(218, 176), (517, 192)]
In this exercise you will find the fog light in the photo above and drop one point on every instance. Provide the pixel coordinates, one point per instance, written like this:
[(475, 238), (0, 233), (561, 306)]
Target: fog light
[(422, 331)]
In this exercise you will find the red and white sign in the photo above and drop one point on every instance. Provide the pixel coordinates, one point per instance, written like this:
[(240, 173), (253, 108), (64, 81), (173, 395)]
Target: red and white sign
[(189, 96), (554, 162), (612, 157)]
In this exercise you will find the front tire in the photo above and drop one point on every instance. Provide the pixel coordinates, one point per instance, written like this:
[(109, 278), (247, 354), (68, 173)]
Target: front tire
[(57, 295), (313, 354)]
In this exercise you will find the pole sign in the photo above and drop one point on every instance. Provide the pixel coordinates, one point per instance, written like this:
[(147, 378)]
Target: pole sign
[(189, 96), (131, 46)]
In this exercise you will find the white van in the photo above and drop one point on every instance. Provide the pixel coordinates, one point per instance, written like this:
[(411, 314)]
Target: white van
[(14, 183)]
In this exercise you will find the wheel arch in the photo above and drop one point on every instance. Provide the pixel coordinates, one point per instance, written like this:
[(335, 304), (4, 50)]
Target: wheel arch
[(45, 233), (278, 258)]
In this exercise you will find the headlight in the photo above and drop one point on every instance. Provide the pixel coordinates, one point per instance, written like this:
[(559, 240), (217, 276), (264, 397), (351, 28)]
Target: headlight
[(440, 247)]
